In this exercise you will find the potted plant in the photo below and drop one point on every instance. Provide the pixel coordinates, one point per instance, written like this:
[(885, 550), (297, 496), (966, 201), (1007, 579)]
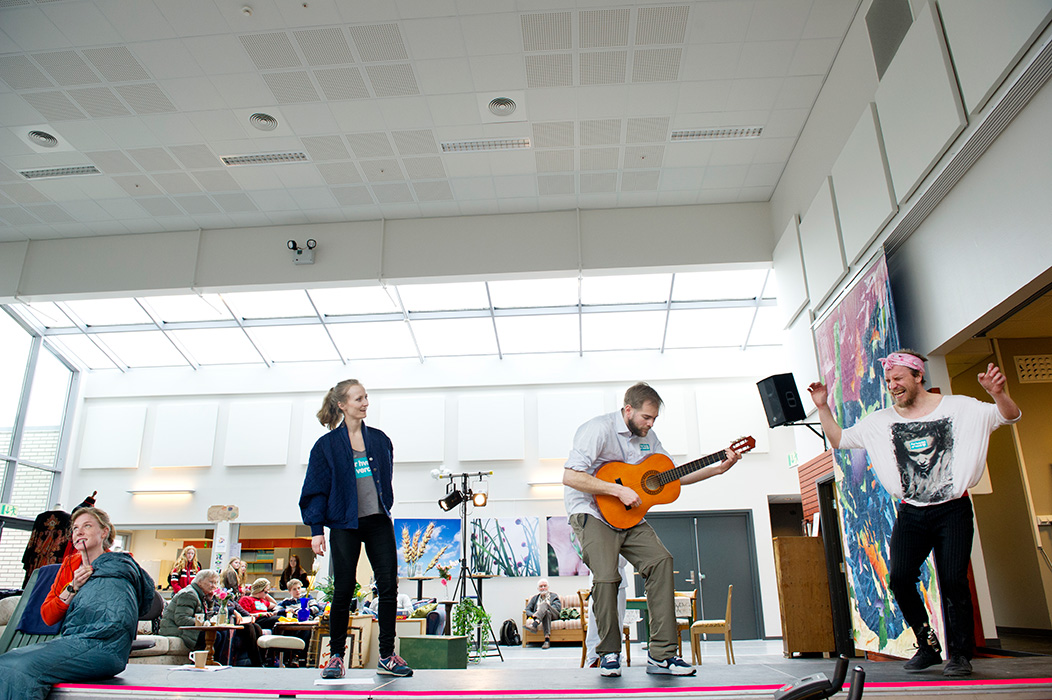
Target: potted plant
[(470, 620)]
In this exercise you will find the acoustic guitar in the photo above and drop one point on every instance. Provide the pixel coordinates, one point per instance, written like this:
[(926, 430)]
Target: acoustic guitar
[(655, 479)]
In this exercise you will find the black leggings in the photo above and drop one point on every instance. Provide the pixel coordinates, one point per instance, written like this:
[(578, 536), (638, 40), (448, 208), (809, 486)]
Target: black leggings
[(376, 532), (947, 529)]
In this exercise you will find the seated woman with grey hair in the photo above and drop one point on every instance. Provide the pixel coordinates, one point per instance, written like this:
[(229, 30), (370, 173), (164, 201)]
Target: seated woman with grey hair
[(199, 597)]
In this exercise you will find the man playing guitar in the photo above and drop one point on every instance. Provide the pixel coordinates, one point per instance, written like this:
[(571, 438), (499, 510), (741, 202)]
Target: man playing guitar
[(626, 436)]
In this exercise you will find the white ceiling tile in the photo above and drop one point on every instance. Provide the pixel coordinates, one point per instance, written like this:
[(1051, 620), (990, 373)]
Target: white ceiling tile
[(682, 178), (433, 38), (32, 30), (248, 89), (187, 17), (491, 34), (472, 188), (763, 175), (358, 115), (219, 55), (194, 94), (552, 104), (136, 20), (710, 61), (714, 22), (469, 7), (765, 59), (652, 99), (496, 73), (169, 58), (172, 128), (451, 110), (446, 75), (309, 119), (773, 150), (308, 198), (402, 113), (733, 152), (686, 154), (601, 101), (778, 20), (814, 56), (82, 23), (755, 93), (426, 8), (799, 92), (724, 176), (785, 122), (829, 18), (129, 132), (297, 175)]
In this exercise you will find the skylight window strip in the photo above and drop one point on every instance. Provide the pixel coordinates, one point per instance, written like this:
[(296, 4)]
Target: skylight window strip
[(321, 320)]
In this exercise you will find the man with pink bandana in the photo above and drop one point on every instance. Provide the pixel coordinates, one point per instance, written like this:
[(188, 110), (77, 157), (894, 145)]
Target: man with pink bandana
[(927, 450)]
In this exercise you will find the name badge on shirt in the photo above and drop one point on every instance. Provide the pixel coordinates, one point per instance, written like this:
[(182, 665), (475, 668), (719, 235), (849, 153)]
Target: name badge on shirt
[(361, 468), (644, 447), (921, 444)]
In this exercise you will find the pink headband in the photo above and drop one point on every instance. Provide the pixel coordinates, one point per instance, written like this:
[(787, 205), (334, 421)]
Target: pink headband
[(903, 359)]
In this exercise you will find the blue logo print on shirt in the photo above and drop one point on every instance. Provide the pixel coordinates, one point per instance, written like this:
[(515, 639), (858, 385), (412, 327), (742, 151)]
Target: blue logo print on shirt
[(361, 468), (644, 447), (921, 444)]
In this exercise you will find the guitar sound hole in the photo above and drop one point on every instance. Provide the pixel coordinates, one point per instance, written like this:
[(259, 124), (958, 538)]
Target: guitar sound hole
[(650, 483)]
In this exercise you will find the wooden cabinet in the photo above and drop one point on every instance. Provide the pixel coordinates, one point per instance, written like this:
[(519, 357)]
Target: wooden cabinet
[(803, 595)]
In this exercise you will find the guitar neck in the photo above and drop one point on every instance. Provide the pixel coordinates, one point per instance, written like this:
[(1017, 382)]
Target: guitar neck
[(689, 467)]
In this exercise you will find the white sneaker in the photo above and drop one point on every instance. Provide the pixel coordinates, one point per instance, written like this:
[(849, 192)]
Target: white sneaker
[(610, 665), (674, 666)]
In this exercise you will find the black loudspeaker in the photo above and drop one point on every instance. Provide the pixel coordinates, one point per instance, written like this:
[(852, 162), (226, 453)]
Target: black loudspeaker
[(781, 400)]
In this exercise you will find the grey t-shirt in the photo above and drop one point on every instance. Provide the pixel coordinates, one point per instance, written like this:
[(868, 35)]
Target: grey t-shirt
[(368, 502)]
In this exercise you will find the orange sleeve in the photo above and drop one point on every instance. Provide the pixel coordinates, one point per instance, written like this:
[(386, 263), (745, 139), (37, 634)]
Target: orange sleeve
[(53, 609)]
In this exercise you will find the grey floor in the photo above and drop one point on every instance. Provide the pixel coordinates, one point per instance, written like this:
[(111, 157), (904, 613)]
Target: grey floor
[(760, 669)]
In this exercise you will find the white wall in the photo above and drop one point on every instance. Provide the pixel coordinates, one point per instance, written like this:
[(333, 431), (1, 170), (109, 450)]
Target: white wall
[(268, 494)]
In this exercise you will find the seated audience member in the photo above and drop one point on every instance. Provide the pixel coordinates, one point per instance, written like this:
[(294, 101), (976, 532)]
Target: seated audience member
[(292, 603), (186, 567), (543, 608), (231, 578), (292, 571), (98, 597), (260, 604), (199, 597)]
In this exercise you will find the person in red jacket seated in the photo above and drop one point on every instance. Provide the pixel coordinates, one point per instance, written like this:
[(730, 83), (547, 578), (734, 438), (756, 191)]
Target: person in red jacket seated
[(186, 567), (260, 604), (93, 534)]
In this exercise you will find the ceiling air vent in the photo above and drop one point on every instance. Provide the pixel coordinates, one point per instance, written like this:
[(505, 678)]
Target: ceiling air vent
[(43, 138), (727, 132), (502, 106), (69, 171), (266, 158), (1034, 369), (484, 145), (263, 121)]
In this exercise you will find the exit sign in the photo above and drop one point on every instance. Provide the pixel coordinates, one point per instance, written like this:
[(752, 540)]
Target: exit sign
[(8, 509)]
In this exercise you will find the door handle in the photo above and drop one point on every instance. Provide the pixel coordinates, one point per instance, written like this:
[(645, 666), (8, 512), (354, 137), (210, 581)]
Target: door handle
[(690, 579)]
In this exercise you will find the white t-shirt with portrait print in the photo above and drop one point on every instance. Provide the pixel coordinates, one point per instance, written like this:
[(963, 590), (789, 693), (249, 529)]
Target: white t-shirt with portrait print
[(928, 460)]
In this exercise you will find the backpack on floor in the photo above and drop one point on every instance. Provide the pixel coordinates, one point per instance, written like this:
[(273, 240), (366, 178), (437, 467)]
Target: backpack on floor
[(509, 634)]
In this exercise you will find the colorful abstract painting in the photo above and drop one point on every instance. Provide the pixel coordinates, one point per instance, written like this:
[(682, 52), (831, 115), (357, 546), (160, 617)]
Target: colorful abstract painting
[(505, 547), (564, 551), (425, 544), (849, 341)]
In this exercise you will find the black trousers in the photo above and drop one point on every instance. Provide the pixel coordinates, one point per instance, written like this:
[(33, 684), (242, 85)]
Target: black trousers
[(376, 532), (947, 530)]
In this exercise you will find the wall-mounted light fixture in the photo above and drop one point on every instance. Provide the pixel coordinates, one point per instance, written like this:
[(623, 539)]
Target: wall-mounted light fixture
[(161, 492), (302, 255)]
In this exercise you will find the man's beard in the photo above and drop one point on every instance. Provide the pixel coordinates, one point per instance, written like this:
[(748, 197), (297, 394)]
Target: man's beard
[(637, 430)]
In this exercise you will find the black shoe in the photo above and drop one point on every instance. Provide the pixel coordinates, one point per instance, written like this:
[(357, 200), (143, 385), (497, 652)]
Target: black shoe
[(925, 657), (958, 666)]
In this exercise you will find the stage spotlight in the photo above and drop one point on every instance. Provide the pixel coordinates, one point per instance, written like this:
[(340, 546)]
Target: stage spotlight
[(480, 494), (451, 500)]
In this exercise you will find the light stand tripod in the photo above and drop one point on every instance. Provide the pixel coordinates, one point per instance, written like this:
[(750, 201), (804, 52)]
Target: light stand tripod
[(462, 496)]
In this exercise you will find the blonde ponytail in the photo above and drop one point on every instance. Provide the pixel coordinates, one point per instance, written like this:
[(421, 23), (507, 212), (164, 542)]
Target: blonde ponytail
[(330, 414)]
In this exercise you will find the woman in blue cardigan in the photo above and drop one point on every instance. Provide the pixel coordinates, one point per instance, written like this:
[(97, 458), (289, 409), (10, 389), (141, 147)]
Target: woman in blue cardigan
[(347, 488)]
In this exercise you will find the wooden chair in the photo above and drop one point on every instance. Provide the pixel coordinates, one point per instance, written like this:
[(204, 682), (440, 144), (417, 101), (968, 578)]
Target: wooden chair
[(712, 627), (683, 623), (584, 594)]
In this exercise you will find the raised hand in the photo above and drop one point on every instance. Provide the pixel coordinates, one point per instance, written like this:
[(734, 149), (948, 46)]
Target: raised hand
[(819, 393), (82, 572), (993, 380)]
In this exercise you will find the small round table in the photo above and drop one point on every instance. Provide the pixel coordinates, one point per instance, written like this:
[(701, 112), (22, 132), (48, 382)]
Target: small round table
[(210, 640)]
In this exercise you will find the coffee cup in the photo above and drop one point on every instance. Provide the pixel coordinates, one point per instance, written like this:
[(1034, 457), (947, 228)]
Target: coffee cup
[(199, 619), (199, 658)]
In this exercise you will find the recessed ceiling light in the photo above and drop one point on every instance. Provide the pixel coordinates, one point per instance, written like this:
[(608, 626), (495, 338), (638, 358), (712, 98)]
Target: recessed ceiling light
[(266, 158), (69, 171), (43, 138), (484, 145), (502, 106), (263, 121), (726, 132)]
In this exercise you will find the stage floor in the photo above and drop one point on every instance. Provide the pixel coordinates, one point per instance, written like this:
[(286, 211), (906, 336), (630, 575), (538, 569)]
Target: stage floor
[(1028, 677)]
